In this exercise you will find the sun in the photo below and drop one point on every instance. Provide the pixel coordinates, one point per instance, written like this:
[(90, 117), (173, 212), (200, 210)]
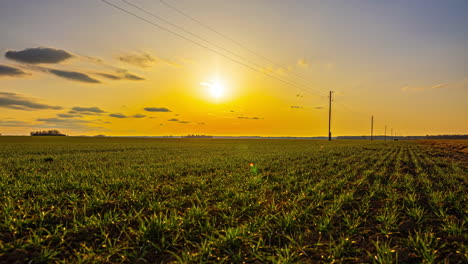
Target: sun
[(216, 89)]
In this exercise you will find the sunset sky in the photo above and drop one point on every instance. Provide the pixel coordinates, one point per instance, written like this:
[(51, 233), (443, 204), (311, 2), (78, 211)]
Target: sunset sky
[(87, 68)]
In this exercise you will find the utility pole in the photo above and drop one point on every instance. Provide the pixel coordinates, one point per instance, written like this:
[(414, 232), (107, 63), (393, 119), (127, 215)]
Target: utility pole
[(372, 129), (391, 134), (385, 135), (329, 117)]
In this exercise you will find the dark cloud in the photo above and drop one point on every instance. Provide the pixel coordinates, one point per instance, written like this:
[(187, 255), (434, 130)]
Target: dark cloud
[(15, 101), (157, 109), (38, 55), (109, 76), (10, 71), (141, 60), (68, 115), (184, 122), (67, 123), (297, 107), (118, 115), (133, 77), (299, 95), (75, 76), (58, 120), (14, 123), (201, 123), (252, 118), (173, 120), (123, 74), (87, 110), (319, 107)]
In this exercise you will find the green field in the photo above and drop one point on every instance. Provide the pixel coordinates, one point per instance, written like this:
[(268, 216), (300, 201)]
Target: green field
[(111, 200)]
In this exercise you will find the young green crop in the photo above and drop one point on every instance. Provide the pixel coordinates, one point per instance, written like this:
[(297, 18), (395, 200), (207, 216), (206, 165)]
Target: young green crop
[(129, 200)]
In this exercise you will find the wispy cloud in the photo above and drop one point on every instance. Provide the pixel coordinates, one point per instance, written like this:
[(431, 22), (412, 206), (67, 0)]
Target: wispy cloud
[(59, 120), (14, 123), (109, 76), (74, 76), (87, 110), (303, 63), (142, 60), (424, 88), (68, 123), (442, 85), (178, 121), (121, 75), (252, 118), (39, 55), (68, 115), (19, 102), (296, 107), (133, 77)]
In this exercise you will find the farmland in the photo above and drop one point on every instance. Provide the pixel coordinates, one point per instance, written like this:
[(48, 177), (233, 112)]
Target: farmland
[(113, 200)]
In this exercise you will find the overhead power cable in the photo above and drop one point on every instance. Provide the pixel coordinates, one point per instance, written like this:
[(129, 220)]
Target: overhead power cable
[(207, 47), (214, 44), (236, 42)]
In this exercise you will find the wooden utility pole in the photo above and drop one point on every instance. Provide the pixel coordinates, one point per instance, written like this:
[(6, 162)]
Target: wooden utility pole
[(385, 135), (372, 129), (329, 117)]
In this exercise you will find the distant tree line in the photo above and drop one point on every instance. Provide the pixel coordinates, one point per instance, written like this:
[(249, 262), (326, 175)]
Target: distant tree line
[(447, 136), (47, 133), (198, 136), (381, 137)]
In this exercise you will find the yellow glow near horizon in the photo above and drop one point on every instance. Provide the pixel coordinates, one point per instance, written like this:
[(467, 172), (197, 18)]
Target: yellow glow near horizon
[(215, 88)]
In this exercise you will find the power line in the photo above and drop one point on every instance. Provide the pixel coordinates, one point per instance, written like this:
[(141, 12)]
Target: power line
[(238, 43), (206, 47), (210, 42), (329, 117)]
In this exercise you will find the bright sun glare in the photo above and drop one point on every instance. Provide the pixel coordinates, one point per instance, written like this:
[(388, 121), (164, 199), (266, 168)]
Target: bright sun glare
[(215, 88)]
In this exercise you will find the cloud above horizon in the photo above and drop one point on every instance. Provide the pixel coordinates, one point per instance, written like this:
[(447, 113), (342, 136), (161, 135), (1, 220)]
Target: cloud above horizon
[(142, 60), (157, 109), (38, 55), (424, 88), (296, 107), (78, 111), (19, 102), (121, 75), (68, 123), (14, 123), (10, 71), (74, 76), (251, 118), (119, 115), (59, 120), (303, 63)]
